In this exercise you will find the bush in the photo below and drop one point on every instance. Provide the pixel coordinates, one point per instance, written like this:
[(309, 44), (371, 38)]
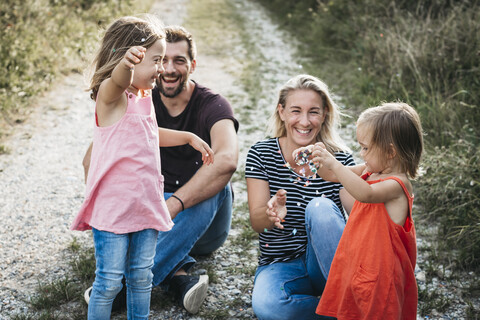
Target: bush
[(450, 194)]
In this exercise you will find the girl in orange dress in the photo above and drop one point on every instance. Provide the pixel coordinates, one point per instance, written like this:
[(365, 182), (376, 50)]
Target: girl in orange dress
[(372, 273)]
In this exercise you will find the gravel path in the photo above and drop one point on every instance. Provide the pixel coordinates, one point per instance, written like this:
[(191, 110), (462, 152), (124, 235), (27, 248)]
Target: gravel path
[(42, 179)]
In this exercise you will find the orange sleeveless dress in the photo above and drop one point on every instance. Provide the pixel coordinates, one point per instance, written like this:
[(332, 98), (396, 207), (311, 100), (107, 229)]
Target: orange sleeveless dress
[(372, 273)]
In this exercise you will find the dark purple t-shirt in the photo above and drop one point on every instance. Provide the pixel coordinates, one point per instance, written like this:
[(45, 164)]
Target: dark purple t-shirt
[(203, 110)]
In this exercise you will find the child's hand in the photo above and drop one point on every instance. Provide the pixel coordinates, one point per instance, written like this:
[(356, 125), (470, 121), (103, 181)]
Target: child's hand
[(133, 56), (302, 155), (276, 208), (201, 146), (321, 157)]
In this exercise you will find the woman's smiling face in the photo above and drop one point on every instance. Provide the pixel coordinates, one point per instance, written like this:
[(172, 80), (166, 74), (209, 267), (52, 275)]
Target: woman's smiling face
[(303, 115)]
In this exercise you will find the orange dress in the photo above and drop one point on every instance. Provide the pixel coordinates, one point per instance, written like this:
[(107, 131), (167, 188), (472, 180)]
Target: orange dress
[(372, 273)]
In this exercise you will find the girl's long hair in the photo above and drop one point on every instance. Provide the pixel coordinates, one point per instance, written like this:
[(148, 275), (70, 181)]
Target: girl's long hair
[(120, 36)]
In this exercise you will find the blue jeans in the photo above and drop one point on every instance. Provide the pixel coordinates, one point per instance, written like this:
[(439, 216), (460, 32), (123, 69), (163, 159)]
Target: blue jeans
[(291, 290), (200, 229), (116, 255)]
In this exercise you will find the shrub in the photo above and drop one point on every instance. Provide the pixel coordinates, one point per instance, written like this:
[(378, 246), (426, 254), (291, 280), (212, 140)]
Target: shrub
[(450, 193)]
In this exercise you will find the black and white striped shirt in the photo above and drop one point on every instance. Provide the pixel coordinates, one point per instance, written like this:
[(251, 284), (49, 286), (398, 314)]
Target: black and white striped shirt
[(266, 162)]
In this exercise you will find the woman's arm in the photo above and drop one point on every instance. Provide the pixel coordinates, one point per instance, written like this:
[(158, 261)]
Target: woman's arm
[(265, 212)]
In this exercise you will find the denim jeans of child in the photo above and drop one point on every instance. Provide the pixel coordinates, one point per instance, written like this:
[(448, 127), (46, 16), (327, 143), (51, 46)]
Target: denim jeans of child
[(200, 229), (291, 290), (116, 255)]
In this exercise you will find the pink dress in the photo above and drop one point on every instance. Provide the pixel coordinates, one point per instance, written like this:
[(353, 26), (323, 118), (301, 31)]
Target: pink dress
[(124, 191)]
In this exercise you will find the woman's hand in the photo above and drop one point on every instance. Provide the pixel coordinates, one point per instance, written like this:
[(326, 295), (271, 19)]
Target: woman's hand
[(276, 208), (302, 155), (201, 146)]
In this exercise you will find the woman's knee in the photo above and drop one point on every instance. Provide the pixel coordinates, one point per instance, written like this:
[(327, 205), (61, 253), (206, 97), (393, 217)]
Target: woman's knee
[(322, 208), (265, 305)]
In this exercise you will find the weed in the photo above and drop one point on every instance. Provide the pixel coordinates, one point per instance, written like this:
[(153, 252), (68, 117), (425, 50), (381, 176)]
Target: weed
[(55, 293), (83, 264), (432, 299), (4, 150)]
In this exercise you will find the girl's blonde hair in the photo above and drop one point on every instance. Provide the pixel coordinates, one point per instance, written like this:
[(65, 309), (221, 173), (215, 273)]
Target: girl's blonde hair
[(395, 124), (328, 133), (120, 36)]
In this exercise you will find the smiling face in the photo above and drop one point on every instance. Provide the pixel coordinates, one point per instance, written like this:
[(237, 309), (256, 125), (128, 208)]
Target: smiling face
[(178, 68), (148, 71), (303, 116)]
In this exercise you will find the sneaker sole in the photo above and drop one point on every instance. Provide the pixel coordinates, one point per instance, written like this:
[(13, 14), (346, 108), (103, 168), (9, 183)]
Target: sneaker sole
[(194, 298), (87, 294)]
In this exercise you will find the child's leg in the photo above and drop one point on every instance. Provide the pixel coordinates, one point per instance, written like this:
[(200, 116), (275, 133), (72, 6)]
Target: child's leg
[(139, 272), (110, 256), (324, 223)]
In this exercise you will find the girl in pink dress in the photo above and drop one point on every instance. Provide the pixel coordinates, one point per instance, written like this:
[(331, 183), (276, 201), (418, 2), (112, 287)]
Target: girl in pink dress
[(124, 204)]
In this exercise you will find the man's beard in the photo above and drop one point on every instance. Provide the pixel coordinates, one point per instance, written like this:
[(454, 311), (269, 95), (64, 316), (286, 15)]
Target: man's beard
[(175, 93)]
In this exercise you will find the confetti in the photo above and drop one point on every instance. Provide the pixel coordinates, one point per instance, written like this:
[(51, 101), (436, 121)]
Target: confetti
[(265, 230), (294, 232)]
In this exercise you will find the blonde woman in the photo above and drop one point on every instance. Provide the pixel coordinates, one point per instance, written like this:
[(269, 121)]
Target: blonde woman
[(298, 215)]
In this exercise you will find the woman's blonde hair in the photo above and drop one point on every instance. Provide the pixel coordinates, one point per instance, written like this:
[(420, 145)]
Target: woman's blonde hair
[(328, 133), (395, 124), (120, 36)]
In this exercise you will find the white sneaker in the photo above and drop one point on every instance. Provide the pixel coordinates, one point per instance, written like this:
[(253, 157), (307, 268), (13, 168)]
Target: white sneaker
[(87, 294)]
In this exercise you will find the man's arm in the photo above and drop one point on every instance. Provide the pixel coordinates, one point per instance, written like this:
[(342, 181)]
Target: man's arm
[(209, 180)]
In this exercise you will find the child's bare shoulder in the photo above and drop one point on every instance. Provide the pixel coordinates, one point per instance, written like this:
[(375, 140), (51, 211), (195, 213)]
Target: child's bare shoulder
[(406, 182)]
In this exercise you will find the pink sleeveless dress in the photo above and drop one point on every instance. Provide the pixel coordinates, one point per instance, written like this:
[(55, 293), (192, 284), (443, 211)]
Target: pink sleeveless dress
[(124, 191)]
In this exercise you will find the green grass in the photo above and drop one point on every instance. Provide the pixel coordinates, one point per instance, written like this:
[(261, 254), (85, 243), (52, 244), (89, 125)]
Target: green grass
[(53, 299)]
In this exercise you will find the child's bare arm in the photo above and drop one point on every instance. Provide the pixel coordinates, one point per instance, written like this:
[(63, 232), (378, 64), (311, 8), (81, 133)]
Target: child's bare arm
[(350, 178), (306, 154), (122, 76), (172, 138)]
